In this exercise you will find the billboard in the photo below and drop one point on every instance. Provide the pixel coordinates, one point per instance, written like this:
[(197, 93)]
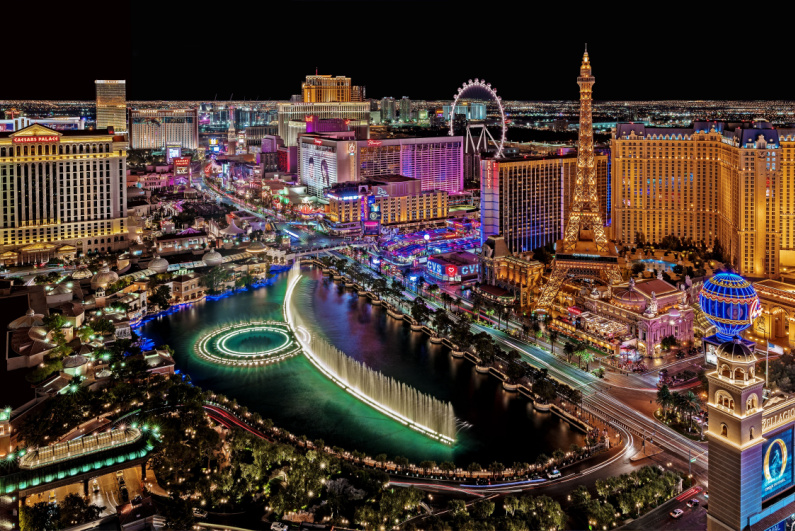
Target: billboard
[(777, 463), (318, 167), (181, 165), (173, 152)]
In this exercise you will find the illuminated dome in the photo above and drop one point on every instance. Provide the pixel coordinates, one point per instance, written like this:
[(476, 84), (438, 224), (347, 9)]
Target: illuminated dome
[(82, 273), (735, 351), (256, 247), (730, 303), (158, 265), (213, 258), (104, 278)]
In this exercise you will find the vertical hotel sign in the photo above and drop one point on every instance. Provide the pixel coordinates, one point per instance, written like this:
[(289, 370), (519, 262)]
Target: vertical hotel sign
[(492, 170)]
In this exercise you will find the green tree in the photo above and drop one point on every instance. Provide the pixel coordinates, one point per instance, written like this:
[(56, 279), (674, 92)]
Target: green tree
[(215, 277), (76, 510), (54, 321), (103, 326), (457, 507), (553, 337), (161, 296), (42, 516), (483, 509)]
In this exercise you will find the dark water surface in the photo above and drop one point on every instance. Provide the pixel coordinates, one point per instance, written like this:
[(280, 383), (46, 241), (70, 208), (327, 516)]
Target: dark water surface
[(495, 425)]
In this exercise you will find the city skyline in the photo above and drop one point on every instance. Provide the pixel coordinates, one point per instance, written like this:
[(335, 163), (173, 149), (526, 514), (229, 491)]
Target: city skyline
[(233, 57)]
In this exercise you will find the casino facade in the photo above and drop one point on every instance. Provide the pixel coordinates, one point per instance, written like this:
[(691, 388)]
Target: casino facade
[(63, 192)]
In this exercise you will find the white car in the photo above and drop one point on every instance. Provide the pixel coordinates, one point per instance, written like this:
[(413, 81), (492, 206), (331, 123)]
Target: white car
[(677, 513), (278, 526), (554, 474)]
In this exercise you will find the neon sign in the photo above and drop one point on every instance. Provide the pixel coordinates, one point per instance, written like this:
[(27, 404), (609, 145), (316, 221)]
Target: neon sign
[(374, 143), (32, 139), (451, 271), (318, 142)]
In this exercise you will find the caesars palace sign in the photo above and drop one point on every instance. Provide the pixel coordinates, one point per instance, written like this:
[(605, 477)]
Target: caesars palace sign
[(778, 419)]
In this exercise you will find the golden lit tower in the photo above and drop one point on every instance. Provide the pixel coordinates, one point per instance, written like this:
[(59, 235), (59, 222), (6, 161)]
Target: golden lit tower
[(584, 250), (584, 213)]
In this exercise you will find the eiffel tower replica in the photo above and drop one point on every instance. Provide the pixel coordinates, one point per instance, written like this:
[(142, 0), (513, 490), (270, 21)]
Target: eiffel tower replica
[(584, 251)]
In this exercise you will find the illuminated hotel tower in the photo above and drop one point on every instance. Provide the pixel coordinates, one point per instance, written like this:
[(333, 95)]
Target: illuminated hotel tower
[(584, 249), (112, 104)]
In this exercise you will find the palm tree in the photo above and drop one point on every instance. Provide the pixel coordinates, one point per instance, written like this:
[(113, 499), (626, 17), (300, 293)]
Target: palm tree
[(445, 298), (458, 301), (553, 336), (569, 349), (585, 354), (689, 404), (664, 398)]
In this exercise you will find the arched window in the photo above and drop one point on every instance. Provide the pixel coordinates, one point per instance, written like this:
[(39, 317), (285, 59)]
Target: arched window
[(751, 403), (751, 434), (39, 150), (81, 148), (739, 374), (725, 371), (724, 430)]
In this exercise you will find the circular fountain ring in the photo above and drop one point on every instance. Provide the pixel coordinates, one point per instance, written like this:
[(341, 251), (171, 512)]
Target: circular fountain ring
[(216, 345)]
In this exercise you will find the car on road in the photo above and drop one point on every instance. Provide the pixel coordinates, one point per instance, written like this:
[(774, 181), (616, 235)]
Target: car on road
[(693, 503), (125, 494), (199, 513), (119, 474), (278, 526), (554, 474), (53, 499), (96, 485), (676, 513)]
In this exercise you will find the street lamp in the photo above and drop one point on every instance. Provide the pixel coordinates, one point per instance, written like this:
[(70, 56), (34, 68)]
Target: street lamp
[(427, 238), (761, 326)]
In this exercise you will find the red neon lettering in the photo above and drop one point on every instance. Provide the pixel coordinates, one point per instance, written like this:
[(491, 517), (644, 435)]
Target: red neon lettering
[(374, 143)]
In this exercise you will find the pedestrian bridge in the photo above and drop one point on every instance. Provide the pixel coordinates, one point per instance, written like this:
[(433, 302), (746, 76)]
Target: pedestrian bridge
[(68, 462)]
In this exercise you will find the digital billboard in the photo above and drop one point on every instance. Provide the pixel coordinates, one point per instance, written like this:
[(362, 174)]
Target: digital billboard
[(173, 152), (181, 165), (318, 167), (777, 463)]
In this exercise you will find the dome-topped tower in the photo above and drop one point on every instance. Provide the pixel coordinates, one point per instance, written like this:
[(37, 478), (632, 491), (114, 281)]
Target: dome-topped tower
[(730, 303)]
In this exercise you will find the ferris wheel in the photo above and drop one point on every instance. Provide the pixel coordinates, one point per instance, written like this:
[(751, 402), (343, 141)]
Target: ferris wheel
[(480, 85)]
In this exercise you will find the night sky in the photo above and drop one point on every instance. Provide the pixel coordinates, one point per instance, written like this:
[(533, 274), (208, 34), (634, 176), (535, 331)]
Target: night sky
[(423, 50)]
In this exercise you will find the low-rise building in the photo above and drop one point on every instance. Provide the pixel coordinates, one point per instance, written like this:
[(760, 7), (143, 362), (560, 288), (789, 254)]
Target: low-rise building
[(516, 273), (186, 288)]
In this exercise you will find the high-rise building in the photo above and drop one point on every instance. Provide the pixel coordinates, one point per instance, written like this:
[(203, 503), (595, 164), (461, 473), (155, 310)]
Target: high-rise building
[(527, 200), (324, 89), (111, 104), (711, 180), (300, 111), (358, 93), (63, 191), (405, 109), (584, 250), (388, 111), (156, 128), (435, 161)]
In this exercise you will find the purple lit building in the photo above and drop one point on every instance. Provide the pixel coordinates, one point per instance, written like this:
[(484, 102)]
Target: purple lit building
[(324, 161)]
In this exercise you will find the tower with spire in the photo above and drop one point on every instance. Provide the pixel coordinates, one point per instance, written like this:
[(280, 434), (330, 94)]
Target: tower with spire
[(584, 250)]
